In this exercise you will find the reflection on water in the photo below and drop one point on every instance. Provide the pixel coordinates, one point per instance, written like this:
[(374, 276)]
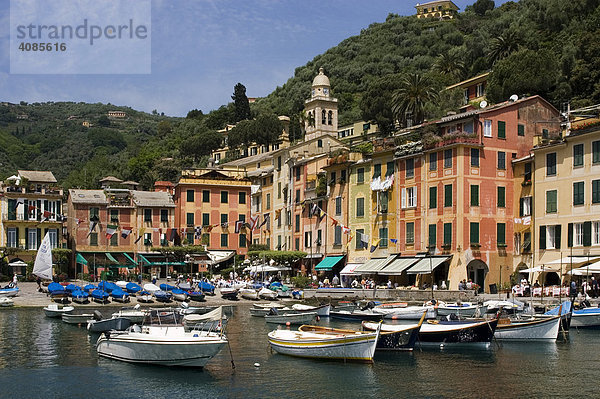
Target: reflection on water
[(43, 358)]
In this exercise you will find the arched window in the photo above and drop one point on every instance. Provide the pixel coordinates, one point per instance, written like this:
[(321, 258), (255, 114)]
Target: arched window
[(323, 117), (330, 118)]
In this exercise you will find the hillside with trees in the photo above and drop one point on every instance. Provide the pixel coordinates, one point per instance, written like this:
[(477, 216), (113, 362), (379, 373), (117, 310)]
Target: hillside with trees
[(393, 72)]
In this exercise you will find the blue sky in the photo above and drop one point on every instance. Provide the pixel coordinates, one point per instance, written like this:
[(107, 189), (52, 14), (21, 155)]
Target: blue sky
[(202, 48)]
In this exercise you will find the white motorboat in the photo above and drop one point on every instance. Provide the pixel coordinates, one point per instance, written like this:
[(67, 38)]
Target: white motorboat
[(284, 293), (529, 329), (322, 310), (406, 312), (121, 284), (84, 318), (56, 310), (248, 293), (6, 302), (320, 343), (269, 305), (509, 307), (228, 293), (266, 293), (291, 318), (161, 343), (464, 309), (134, 314)]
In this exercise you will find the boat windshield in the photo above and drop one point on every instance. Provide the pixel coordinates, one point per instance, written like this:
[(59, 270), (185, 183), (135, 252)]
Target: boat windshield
[(163, 317)]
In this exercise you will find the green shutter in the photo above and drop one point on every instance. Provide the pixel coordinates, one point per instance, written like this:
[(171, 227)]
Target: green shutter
[(557, 237), (432, 235), (570, 235), (501, 197), (447, 233), (501, 129), (432, 197), (474, 195), (448, 195), (501, 233), (587, 234), (521, 130), (12, 209), (39, 237), (17, 236), (474, 233), (26, 210), (26, 238), (542, 237)]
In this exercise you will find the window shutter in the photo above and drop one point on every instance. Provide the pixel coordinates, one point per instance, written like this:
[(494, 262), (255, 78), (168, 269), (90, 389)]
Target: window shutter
[(403, 198), (17, 236), (26, 210), (521, 200), (39, 210), (26, 238), (46, 205), (542, 237), (557, 229), (587, 234), (501, 129), (570, 235)]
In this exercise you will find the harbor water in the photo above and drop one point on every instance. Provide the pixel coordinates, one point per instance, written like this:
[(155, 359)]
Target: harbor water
[(45, 358)]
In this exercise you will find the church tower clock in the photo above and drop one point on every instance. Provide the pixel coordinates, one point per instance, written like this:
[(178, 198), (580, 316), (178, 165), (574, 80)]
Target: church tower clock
[(321, 109)]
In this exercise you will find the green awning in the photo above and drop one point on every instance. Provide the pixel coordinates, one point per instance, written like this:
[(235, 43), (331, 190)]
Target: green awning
[(80, 259), (143, 258), (328, 263), (130, 258), (111, 258)]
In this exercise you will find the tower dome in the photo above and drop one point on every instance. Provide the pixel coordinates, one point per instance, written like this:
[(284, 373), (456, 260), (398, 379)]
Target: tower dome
[(321, 79)]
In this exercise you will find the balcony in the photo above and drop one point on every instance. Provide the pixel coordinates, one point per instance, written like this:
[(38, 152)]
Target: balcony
[(54, 191), (20, 217)]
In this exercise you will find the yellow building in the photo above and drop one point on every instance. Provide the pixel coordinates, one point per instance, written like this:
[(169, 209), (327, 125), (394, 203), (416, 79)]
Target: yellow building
[(442, 9), (359, 214), (567, 201), (31, 207)]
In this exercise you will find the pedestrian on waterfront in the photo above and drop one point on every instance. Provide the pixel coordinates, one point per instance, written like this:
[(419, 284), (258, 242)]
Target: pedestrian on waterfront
[(354, 283), (335, 281), (389, 284), (443, 286), (595, 287), (154, 280), (139, 278), (461, 286), (573, 290), (15, 279), (39, 283)]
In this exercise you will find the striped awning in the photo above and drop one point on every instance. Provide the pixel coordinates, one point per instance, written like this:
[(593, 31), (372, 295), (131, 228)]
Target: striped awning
[(80, 259), (427, 265), (373, 265), (111, 258), (328, 263), (130, 258), (399, 265)]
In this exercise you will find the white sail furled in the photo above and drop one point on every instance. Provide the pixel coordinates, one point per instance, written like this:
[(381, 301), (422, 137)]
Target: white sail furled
[(43, 261)]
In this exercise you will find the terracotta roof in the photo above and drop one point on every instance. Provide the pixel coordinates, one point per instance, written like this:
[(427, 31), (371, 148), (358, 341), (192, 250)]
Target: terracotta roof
[(37, 176), (111, 179)]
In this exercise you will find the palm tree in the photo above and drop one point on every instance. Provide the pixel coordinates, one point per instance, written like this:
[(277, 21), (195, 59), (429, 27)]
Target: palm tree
[(408, 102), (502, 46), (450, 64)]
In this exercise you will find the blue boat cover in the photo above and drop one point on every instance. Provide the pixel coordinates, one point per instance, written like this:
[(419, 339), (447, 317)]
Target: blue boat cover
[(133, 288), (204, 286), (167, 287), (107, 286), (162, 294), (72, 287), (79, 294), (99, 294), (118, 293), (55, 287), (178, 291), (89, 287)]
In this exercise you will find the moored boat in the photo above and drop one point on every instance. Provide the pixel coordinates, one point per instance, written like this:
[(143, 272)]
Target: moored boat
[(356, 315), (151, 288), (461, 309), (100, 296), (9, 292), (179, 294), (206, 288), (161, 343), (162, 296), (134, 314), (406, 312), (133, 288), (528, 329), (80, 296), (403, 339), (322, 310), (322, 344), (291, 318), (117, 324), (54, 310), (196, 296), (119, 295), (144, 297), (229, 293), (83, 318)]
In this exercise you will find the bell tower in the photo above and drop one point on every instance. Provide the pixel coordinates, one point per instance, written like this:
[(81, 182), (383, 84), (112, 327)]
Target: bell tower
[(321, 109)]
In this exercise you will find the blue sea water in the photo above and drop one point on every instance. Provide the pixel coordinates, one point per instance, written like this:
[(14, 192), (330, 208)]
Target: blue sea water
[(45, 358)]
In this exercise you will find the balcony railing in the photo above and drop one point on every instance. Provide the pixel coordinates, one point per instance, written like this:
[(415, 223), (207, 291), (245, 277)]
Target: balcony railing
[(20, 217)]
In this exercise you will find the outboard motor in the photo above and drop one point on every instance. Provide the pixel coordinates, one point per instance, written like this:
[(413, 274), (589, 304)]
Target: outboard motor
[(369, 305), (97, 315)]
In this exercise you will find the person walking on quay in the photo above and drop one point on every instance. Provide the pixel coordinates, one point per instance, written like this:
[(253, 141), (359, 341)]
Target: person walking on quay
[(15, 280), (573, 290), (39, 283), (595, 287), (335, 281)]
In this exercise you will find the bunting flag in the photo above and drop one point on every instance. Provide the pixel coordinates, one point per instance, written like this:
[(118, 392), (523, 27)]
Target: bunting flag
[(374, 245), (125, 231), (225, 225), (139, 238), (31, 208), (277, 214), (322, 214), (364, 239), (394, 240), (110, 230), (141, 234), (313, 210), (346, 230), (173, 234), (92, 227), (348, 243), (198, 232), (334, 222), (239, 225), (20, 201), (208, 228), (254, 222), (45, 217), (267, 216)]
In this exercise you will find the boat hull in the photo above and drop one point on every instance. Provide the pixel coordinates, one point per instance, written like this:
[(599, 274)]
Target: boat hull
[(9, 292), (322, 311), (586, 318), (348, 348), (250, 294), (165, 351), (56, 312), (292, 318), (407, 313), (355, 316), (466, 311), (77, 318), (118, 324), (458, 333), (538, 329)]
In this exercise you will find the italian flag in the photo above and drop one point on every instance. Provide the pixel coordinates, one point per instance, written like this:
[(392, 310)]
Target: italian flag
[(110, 230)]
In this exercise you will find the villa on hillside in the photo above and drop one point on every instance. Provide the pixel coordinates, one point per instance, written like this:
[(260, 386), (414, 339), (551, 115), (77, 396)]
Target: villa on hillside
[(441, 9)]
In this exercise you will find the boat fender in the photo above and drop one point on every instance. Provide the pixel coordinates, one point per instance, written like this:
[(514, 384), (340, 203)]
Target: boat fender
[(318, 318)]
